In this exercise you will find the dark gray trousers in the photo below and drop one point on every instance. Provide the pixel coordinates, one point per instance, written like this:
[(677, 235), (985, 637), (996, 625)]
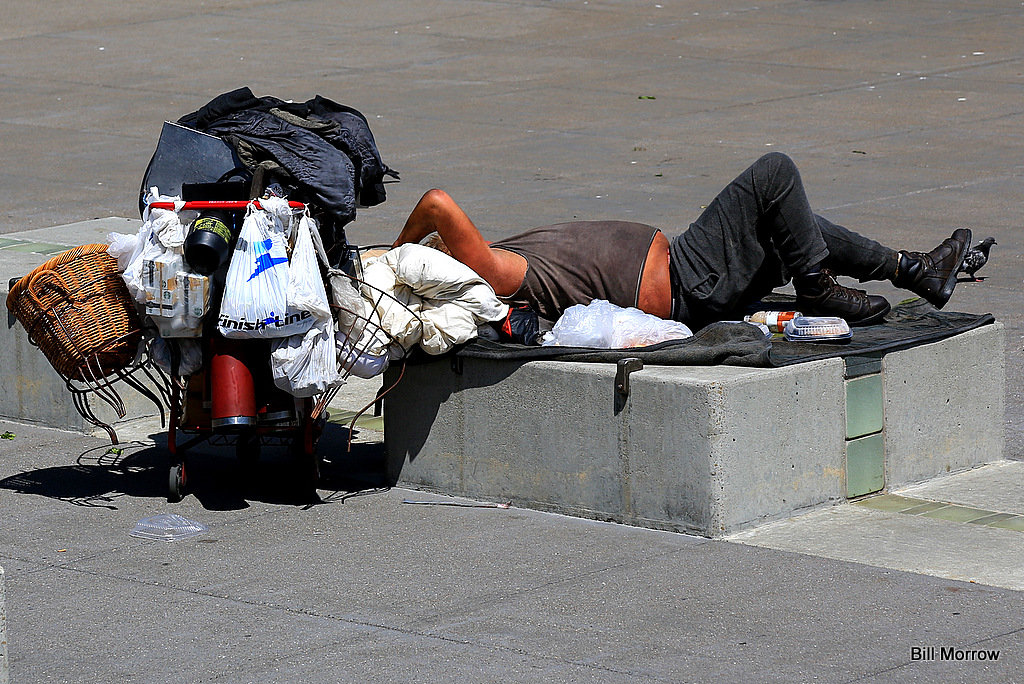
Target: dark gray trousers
[(757, 233)]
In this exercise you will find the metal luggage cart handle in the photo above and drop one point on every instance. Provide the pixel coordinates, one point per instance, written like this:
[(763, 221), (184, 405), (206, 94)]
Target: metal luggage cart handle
[(214, 204)]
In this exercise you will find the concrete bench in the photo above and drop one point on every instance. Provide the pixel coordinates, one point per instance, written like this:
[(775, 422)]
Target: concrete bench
[(705, 450)]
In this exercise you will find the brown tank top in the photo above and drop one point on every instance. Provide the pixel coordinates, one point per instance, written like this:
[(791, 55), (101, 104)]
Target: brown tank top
[(574, 263)]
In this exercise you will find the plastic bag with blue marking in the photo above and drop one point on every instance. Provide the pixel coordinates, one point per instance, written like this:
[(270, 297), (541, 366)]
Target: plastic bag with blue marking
[(255, 300)]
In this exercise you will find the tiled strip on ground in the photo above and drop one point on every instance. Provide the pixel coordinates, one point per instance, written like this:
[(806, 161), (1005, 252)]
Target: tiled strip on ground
[(13, 245), (366, 421), (892, 503)]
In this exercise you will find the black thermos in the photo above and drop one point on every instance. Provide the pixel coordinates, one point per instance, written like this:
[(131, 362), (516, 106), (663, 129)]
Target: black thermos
[(209, 242)]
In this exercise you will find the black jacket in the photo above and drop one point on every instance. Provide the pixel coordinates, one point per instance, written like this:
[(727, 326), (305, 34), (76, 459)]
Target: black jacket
[(326, 148)]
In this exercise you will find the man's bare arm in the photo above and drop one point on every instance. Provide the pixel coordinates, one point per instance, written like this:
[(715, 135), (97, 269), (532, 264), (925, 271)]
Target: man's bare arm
[(437, 212)]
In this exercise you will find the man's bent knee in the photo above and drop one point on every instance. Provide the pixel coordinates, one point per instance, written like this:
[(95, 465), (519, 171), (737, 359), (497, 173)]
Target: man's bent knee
[(777, 162)]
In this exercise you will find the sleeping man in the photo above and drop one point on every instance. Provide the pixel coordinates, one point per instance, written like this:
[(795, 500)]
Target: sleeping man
[(759, 233)]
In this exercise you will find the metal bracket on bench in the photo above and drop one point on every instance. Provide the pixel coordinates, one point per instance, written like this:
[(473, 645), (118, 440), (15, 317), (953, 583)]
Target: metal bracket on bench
[(622, 370)]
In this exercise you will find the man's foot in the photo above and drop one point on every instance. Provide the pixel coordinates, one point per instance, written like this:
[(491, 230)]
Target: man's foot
[(818, 294), (932, 275)]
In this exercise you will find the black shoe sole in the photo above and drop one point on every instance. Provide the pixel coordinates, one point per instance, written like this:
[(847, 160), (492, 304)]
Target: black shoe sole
[(942, 298), (871, 320)]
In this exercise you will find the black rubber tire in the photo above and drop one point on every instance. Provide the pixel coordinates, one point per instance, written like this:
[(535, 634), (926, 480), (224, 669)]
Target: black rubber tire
[(308, 466), (176, 483), (248, 448)]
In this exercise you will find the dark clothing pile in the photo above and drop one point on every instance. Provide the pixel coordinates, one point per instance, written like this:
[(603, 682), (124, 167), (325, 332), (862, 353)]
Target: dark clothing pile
[(322, 148)]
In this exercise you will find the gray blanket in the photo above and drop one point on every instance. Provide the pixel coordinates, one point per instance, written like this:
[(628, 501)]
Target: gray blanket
[(738, 344)]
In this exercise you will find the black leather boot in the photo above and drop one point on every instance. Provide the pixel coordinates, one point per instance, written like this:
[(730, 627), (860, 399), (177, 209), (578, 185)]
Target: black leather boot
[(818, 294), (932, 275)]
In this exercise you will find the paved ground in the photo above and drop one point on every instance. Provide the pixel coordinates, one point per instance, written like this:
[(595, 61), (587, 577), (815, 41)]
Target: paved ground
[(905, 118), (366, 587)]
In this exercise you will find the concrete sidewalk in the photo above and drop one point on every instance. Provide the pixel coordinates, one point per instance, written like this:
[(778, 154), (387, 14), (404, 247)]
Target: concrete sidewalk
[(905, 119), (366, 587)]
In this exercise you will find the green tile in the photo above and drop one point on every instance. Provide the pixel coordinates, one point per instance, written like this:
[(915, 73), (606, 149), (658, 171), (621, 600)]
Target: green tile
[(39, 248), (7, 242), (855, 366), (957, 513), (993, 518), (924, 507), (1014, 523), (905, 505), (890, 503), (367, 421), (863, 406), (865, 465)]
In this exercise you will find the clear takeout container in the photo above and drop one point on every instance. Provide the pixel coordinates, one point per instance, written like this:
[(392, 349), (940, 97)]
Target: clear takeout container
[(817, 329), (167, 527)]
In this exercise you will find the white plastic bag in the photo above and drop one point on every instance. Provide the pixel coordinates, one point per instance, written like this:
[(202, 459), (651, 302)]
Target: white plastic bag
[(255, 300), (122, 247), (350, 309), (305, 283), (161, 233), (358, 359), (607, 326), (306, 365), (153, 267), (189, 361)]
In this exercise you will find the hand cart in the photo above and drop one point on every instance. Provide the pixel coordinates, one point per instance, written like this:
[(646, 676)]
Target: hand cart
[(233, 400)]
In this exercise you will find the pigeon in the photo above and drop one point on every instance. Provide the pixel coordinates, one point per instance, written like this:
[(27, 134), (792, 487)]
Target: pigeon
[(976, 257)]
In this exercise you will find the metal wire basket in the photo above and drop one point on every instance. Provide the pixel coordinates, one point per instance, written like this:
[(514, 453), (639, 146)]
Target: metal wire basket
[(360, 323)]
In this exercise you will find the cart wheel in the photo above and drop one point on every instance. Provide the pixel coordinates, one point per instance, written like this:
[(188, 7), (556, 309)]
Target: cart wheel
[(308, 465), (313, 472), (248, 447), (176, 483)]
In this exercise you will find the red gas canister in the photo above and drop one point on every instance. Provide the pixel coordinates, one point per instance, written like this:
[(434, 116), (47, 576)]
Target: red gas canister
[(231, 381)]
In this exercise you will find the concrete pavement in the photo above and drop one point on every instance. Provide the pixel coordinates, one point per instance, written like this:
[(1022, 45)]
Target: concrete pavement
[(905, 120), (366, 587)]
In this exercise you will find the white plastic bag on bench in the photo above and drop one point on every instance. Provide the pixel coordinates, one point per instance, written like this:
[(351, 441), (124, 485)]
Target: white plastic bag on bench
[(604, 325)]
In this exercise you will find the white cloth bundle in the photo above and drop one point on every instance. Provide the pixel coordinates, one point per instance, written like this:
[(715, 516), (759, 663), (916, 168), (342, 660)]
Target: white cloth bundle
[(449, 298)]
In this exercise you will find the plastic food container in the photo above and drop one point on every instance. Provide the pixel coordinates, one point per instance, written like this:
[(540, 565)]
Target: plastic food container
[(167, 527), (818, 329)]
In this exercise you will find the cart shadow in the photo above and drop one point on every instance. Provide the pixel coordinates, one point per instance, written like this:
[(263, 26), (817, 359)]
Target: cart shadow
[(98, 478), (103, 476)]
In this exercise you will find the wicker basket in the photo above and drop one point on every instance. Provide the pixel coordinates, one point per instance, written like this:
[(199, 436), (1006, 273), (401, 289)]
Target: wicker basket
[(77, 310)]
